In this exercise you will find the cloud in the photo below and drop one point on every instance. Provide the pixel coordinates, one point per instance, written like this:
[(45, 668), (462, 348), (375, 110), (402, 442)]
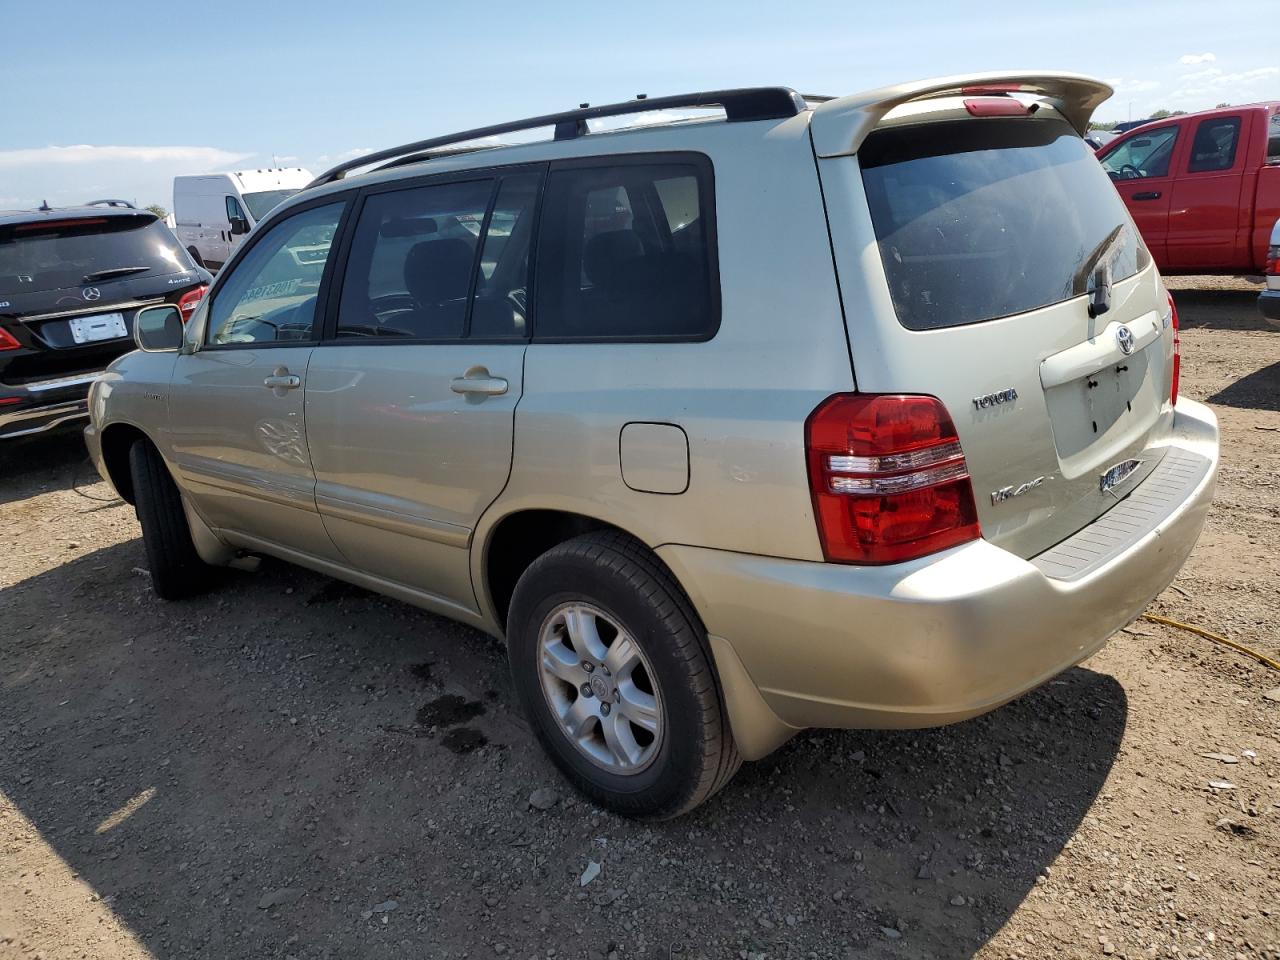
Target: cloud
[(1194, 58), (1124, 87), (344, 156), (1214, 83), (198, 159), (79, 172), (1200, 75)]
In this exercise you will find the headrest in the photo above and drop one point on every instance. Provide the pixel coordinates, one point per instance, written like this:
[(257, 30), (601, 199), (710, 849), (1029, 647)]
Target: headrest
[(607, 257), (438, 270)]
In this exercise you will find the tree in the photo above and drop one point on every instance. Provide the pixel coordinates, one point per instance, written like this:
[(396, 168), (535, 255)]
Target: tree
[(1221, 105), (158, 210)]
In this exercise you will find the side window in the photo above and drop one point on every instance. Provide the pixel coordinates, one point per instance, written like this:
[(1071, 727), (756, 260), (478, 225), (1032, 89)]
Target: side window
[(270, 295), (1214, 147), (233, 209), (624, 253), (1141, 156), (1273, 138), (501, 305), (412, 258)]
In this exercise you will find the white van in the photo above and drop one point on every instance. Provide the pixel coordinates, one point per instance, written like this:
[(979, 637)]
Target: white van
[(215, 211)]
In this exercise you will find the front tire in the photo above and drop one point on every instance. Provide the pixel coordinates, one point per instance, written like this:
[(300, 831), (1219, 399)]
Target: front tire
[(611, 665), (176, 569)]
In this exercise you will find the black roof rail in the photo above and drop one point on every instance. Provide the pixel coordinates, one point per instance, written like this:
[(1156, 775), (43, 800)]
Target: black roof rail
[(111, 203), (747, 103), (436, 154)]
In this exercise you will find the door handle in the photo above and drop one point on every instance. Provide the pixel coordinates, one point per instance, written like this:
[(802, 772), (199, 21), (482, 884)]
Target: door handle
[(1147, 195), (282, 381), (478, 381)]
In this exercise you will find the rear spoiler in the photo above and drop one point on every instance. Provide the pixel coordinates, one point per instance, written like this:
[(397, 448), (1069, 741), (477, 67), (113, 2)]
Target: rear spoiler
[(839, 126)]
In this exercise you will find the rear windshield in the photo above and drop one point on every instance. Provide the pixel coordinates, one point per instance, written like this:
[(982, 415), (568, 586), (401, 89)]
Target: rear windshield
[(262, 202), (53, 254), (979, 219)]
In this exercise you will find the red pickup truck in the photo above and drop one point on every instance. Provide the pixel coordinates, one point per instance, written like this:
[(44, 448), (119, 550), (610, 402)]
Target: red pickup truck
[(1203, 188)]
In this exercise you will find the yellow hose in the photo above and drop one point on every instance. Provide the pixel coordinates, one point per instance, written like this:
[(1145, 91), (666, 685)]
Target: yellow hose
[(1239, 647)]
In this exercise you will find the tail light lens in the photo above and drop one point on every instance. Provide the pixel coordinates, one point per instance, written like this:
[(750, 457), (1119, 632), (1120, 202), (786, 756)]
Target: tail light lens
[(1176, 373), (1272, 268), (190, 300), (7, 341), (888, 478)]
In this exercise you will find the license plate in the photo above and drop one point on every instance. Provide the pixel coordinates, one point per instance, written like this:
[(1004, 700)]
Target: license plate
[(104, 326)]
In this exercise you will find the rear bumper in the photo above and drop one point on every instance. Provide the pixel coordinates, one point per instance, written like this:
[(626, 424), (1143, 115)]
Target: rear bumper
[(37, 407), (1269, 306), (802, 644)]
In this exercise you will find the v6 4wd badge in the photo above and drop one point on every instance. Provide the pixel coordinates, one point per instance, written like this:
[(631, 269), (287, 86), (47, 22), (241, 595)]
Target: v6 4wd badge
[(1008, 493)]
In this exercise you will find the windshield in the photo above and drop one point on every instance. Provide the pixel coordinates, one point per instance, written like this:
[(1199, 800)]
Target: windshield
[(53, 254), (261, 203), (979, 219)]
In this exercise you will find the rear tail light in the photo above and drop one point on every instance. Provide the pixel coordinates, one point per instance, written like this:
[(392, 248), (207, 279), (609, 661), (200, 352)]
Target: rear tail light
[(1272, 267), (189, 301), (1175, 373), (888, 478), (7, 341)]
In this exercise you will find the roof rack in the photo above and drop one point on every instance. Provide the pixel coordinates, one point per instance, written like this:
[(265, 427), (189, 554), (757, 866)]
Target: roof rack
[(111, 203), (748, 103)]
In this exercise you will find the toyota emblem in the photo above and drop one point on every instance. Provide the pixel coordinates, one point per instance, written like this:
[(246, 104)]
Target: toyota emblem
[(91, 293), (1124, 336)]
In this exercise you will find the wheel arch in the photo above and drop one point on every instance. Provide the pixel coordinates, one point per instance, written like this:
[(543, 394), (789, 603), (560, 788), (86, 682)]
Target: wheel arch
[(116, 441), (514, 540)]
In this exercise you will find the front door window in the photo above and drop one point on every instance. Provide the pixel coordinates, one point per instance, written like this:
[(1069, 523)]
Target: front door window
[(271, 294)]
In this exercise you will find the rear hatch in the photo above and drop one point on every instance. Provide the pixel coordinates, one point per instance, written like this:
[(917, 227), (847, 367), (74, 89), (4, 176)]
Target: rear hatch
[(980, 240), (69, 289)]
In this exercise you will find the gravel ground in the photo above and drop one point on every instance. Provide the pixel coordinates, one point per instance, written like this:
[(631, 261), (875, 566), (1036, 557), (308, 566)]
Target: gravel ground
[(290, 767)]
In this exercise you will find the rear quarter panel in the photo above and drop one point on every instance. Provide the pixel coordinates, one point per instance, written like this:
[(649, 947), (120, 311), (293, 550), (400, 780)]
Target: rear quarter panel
[(741, 397)]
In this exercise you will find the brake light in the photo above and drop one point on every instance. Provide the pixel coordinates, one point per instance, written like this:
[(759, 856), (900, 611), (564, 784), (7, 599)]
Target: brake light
[(888, 478), (190, 300), (59, 224), (7, 341), (996, 107), (1272, 266), (1176, 373)]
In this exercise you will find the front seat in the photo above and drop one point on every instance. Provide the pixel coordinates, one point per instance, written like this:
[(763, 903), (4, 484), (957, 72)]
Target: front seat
[(437, 274)]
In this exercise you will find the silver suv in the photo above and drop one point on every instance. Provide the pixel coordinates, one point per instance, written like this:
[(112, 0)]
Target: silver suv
[(776, 412)]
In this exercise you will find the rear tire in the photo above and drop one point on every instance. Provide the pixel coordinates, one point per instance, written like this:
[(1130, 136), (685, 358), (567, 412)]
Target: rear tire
[(614, 589), (176, 569)]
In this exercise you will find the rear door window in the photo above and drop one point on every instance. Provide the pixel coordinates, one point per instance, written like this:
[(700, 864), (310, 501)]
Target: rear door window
[(979, 219), (413, 256), (625, 252), (53, 254), (1214, 146)]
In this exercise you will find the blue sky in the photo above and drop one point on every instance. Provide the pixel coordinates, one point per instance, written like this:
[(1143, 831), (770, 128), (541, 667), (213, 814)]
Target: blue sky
[(115, 98)]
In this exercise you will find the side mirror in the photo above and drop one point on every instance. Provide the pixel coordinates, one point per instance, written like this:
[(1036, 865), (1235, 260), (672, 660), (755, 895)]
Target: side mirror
[(158, 329), (239, 226)]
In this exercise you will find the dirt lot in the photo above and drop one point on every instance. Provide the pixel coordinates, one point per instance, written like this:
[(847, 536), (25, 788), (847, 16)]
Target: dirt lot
[(289, 767)]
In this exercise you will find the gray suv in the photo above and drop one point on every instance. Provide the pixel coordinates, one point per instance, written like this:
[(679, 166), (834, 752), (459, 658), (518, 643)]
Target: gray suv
[(772, 413)]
